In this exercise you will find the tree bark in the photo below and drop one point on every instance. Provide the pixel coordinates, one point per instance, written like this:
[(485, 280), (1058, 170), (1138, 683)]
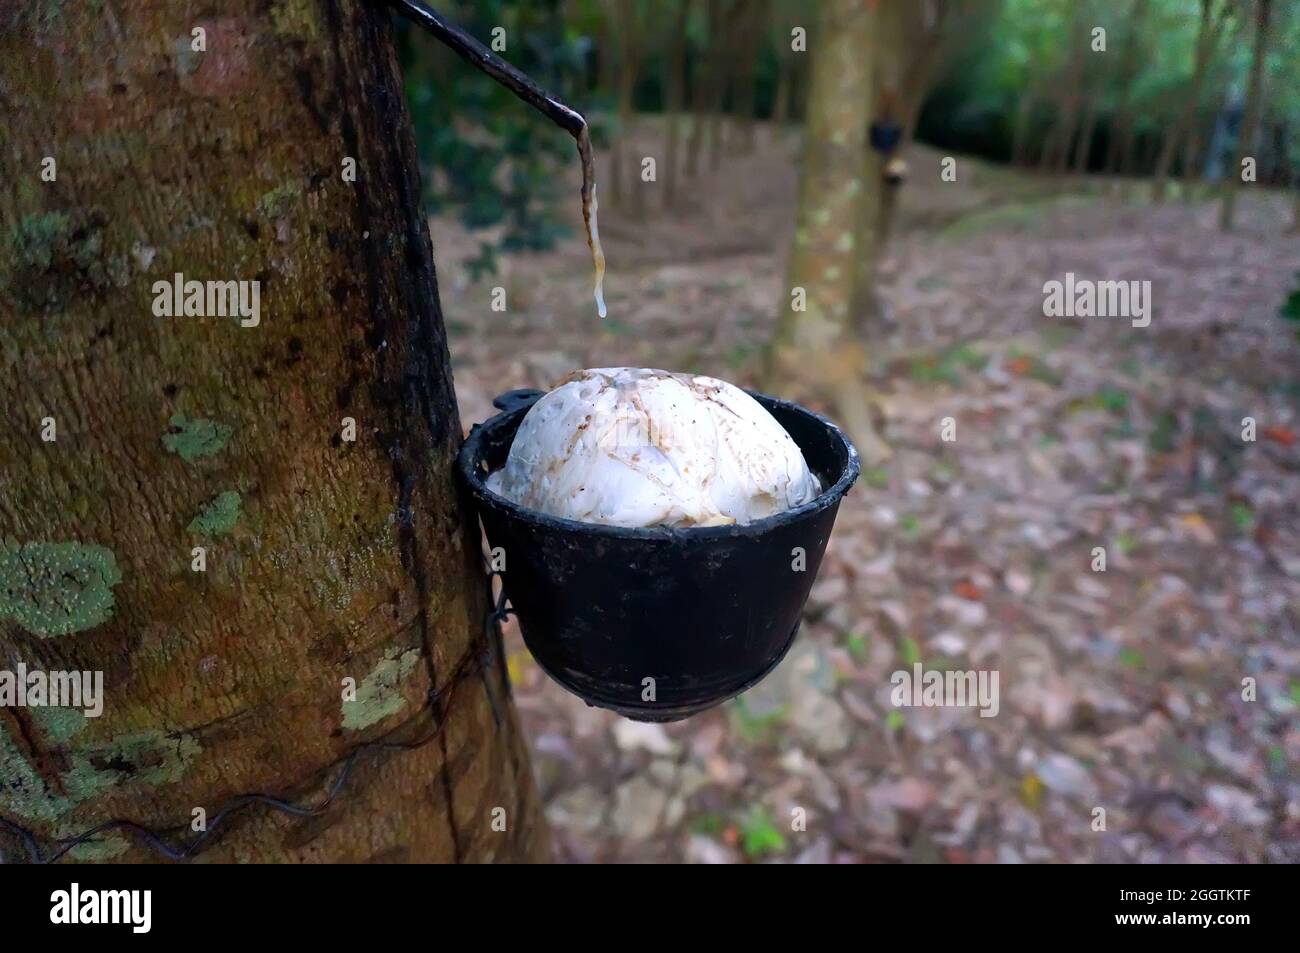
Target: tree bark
[(814, 353), (326, 560), (1250, 122)]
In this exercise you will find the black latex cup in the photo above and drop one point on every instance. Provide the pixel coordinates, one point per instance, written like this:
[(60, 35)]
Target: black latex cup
[(659, 624)]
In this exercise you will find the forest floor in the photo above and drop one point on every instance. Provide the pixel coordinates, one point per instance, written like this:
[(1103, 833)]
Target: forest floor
[(1121, 690)]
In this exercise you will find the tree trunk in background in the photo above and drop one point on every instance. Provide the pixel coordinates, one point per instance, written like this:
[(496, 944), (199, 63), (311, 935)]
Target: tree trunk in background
[(1191, 171), (1070, 103), (781, 100), (326, 560), (1020, 131), (753, 20), (1207, 41), (1121, 142), (889, 54), (1250, 122), (622, 161), (706, 69), (723, 44), (1083, 147), (917, 81), (814, 353), (675, 85)]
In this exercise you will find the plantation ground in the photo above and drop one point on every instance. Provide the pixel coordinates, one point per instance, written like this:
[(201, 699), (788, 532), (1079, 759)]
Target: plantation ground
[(1120, 690)]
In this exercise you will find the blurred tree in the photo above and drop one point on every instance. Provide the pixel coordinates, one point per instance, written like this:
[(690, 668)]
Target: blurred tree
[(1214, 17), (706, 91), (1250, 124), (751, 32), (912, 40), (629, 21), (1119, 153), (1071, 85), (675, 84), (814, 353), (725, 41)]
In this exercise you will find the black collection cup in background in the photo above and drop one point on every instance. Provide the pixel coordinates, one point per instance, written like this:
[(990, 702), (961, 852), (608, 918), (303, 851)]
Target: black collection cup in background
[(703, 613)]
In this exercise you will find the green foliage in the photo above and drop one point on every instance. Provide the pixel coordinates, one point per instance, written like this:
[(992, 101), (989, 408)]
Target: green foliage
[(1017, 48), (488, 156)]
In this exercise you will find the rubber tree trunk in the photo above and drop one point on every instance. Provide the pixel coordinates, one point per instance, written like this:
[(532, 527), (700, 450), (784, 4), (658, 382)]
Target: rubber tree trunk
[(327, 560), (1207, 40), (1083, 145), (753, 28), (675, 84), (705, 89), (814, 353), (625, 168), (1056, 154), (1121, 140), (889, 57), (1020, 129), (781, 98), (725, 53), (1250, 122)]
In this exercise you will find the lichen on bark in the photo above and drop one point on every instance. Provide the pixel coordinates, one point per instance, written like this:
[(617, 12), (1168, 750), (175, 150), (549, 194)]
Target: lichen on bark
[(57, 588), (194, 439)]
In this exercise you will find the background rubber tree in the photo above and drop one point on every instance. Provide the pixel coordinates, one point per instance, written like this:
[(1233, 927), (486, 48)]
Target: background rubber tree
[(1254, 106), (1213, 20), (326, 559), (815, 353)]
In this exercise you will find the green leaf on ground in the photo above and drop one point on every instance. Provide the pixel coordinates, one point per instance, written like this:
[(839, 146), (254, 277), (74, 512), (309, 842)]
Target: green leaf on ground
[(1131, 658), (1243, 517), (759, 836)]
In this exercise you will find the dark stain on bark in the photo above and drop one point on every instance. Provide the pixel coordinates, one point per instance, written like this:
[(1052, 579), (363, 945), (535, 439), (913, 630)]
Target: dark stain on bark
[(400, 391)]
